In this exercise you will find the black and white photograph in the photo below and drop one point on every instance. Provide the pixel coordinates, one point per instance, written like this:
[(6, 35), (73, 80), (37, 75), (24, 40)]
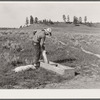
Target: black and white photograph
[(49, 45)]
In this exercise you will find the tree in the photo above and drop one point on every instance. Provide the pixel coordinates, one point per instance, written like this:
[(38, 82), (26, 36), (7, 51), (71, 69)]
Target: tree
[(36, 20), (31, 20), (21, 26), (80, 20), (85, 19), (51, 22), (40, 21), (75, 20), (45, 21), (64, 18), (27, 21), (68, 19)]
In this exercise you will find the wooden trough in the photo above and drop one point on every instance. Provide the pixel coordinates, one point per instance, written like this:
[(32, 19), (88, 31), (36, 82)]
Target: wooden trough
[(59, 69)]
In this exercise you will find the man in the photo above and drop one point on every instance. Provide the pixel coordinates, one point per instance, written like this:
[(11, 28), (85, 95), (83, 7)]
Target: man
[(39, 45)]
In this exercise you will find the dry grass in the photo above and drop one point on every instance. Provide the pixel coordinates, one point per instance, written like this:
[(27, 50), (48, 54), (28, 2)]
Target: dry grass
[(16, 49)]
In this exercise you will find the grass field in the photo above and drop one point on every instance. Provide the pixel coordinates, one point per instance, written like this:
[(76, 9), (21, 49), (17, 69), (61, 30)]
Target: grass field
[(16, 49)]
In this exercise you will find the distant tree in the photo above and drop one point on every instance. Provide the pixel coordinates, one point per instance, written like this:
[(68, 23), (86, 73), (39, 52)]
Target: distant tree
[(80, 20), (40, 21), (68, 19), (27, 21), (36, 20), (31, 19), (64, 18), (75, 20), (44, 21), (51, 22), (85, 19), (21, 26), (90, 24)]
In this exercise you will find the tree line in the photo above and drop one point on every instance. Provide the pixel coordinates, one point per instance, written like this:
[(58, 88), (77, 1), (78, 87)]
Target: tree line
[(31, 20), (76, 20)]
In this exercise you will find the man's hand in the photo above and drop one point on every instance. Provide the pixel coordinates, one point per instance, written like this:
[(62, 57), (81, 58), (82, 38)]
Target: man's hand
[(42, 47)]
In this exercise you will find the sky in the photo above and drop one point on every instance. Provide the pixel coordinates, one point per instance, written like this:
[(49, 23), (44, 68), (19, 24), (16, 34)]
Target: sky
[(13, 14)]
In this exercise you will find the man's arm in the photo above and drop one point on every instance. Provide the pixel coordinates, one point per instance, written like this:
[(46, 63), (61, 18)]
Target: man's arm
[(44, 53)]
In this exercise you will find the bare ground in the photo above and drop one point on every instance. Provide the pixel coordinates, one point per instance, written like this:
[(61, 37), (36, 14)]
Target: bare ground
[(79, 82)]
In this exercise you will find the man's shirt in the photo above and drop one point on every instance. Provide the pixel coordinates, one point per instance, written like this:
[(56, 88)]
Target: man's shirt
[(39, 37)]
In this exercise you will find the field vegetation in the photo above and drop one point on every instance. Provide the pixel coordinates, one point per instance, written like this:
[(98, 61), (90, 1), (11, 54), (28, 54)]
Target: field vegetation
[(64, 47)]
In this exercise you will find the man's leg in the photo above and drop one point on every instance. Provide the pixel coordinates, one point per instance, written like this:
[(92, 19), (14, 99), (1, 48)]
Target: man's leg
[(37, 54)]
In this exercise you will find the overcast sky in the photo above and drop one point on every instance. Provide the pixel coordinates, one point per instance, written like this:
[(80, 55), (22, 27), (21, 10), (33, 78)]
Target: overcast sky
[(13, 14)]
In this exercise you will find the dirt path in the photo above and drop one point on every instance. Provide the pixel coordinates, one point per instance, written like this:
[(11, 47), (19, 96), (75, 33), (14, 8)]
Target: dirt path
[(88, 52)]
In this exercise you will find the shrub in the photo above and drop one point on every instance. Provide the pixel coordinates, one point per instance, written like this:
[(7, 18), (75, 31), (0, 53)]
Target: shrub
[(12, 45), (11, 59), (6, 45)]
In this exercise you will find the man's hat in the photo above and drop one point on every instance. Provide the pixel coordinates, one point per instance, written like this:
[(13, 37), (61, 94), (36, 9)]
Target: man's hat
[(48, 30)]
